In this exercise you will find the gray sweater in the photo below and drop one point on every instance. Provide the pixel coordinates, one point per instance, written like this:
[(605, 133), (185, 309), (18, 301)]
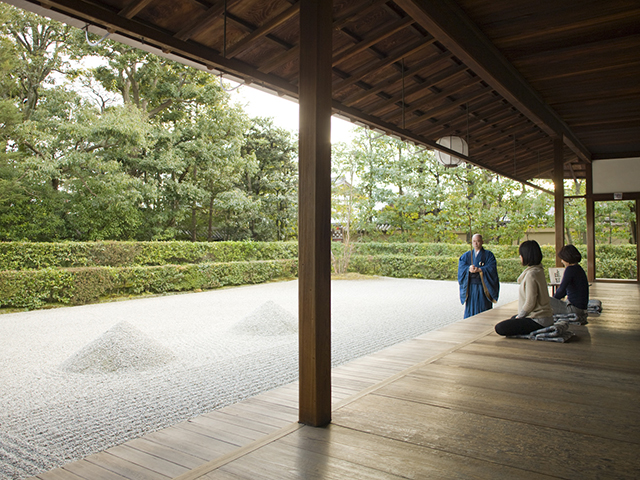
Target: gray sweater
[(533, 296)]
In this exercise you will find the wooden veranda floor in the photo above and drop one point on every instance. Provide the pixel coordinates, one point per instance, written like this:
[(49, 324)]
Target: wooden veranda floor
[(459, 402)]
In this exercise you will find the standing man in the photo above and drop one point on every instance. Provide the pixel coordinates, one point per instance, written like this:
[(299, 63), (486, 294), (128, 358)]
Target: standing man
[(478, 278)]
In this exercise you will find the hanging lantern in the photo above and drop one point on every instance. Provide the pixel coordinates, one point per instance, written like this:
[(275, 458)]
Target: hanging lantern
[(457, 144)]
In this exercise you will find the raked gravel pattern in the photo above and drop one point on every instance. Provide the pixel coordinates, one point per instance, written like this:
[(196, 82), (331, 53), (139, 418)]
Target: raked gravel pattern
[(78, 380)]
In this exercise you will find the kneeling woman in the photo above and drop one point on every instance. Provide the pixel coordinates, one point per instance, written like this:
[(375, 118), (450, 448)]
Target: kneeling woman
[(534, 309)]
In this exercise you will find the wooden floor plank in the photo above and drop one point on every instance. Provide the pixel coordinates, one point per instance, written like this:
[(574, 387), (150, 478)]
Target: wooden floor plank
[(256, 413), (237, 421), (537, 367), (124, 468), (147, 461), (561, 390), (617, 424), (168, 453), (89, 471), (58, 474), (404, 459), (285, 462), (548, 451), (191, 443), (220, 431)]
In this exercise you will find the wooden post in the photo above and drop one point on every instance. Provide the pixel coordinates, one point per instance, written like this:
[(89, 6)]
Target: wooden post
[(591, 229), (314, 217), (558, 181), (637, 240)]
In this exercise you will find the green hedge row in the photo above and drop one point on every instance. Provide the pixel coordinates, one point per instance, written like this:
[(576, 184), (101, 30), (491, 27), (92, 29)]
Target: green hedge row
[(446, 268), (35, 274), (26, 256), (428, 267), (76, 286)]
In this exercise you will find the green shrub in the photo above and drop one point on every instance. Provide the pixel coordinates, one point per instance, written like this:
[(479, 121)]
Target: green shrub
[(27, 256), (77, 286)]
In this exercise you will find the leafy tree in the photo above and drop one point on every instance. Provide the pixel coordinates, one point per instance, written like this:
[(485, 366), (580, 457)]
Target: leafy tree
[(41, 46), (270, 178)]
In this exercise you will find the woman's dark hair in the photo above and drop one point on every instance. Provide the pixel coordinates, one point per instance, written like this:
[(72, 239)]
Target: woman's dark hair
[(530, 253), (570, 254)]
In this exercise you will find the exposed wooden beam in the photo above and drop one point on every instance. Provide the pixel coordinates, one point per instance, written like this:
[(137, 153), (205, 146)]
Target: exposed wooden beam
[(263, 30), (375, 65), (467, 95), (202, 23), (452, 27), (133, 8), (410, 72), (164, 41), (372, 38)]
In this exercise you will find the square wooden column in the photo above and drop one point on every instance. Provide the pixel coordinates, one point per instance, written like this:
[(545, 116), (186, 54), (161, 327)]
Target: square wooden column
[(558, 181), (591, 225), (314, 217)]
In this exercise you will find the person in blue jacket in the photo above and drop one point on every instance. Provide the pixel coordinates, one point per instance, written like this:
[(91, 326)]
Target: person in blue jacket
[(478, 278), (574, 285)]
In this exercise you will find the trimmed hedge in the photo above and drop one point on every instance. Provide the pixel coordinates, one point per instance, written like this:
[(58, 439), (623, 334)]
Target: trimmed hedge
[(26, 256), (76, 286), (427, 267), (74, 273)]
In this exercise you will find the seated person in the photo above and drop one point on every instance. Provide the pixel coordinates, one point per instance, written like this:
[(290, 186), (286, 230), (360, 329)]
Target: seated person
[(574, 285), (534, 311)]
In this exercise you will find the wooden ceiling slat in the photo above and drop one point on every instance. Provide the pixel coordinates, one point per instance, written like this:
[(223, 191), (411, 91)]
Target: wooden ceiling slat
[(429, 64), (375, 65), (431, 94), (375, 37), (356, 11), (467, 94), (134, 8), (279, 60), (458, 120), (202, 23), (263, 30), (505, 147)]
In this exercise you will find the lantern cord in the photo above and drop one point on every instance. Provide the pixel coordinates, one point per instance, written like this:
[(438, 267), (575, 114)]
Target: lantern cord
[(403, 116), (468, 144), (224, 50), (515, 167)]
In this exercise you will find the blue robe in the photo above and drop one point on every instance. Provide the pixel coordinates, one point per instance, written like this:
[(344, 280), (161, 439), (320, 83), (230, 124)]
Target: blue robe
[(478, 292)]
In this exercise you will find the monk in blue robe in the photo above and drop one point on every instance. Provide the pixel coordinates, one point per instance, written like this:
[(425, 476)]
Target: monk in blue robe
[(478, 278)]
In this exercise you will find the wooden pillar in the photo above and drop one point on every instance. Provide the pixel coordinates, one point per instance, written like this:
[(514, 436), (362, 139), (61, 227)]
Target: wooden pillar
[(314, 217), (591, 225), (558, 181)]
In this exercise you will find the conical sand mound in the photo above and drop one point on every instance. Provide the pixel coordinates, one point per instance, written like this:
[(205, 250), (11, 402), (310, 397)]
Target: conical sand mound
[(269, 319), (123, 347)]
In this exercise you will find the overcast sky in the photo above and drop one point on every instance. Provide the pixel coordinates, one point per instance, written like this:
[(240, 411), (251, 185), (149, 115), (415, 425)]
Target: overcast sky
[(284, 112)]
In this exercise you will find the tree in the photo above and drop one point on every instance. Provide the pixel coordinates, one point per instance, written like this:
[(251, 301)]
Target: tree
[(41, 47), (270, 178)]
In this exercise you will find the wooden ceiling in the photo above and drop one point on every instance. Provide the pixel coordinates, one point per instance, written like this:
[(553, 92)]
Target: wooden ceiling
[(508, 75)]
